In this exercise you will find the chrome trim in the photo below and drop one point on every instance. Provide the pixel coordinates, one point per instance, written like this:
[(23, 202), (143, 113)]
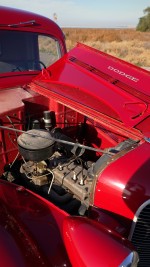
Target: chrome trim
[(147, 139), (136, 217), (131, 260)]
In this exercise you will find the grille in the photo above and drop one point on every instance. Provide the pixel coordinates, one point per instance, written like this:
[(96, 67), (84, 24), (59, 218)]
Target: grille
[(141, 237)]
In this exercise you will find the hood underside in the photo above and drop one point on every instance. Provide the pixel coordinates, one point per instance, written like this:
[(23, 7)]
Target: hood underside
[(99, 82)]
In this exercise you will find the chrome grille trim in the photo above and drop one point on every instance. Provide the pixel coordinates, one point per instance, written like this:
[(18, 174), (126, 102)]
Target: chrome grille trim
[(140, 234), (136, 217)]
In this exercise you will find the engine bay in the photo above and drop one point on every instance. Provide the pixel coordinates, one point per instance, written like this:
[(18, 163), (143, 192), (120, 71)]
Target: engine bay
[(54, 150)]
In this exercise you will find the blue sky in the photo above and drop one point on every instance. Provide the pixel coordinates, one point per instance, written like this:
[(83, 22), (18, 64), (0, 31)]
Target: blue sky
[(86, 13)]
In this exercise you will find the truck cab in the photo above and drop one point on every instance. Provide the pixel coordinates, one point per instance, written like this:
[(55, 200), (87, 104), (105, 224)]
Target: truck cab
[(28, 42)]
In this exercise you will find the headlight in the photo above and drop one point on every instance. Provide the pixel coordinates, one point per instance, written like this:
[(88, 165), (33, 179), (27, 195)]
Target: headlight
[(131, 261)]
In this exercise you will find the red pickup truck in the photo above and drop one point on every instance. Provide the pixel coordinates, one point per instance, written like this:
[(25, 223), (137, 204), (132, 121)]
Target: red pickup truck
[(74, 151)]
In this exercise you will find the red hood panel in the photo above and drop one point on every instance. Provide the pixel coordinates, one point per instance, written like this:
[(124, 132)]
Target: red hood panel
[(100, 82)]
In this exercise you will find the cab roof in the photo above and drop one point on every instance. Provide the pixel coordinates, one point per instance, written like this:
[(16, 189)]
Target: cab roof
[(16, 19)]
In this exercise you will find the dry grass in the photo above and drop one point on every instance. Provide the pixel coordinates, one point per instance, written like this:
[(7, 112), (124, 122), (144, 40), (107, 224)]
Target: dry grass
[(127, 44)]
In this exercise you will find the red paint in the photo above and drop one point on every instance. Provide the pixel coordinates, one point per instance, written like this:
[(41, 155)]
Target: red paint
[(124, 185), (85, 238), (68, 80), (42, 25), (111, 99), (30, 229)]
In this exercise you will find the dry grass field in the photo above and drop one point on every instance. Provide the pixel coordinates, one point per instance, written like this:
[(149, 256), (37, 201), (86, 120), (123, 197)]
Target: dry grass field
[(127, 44)]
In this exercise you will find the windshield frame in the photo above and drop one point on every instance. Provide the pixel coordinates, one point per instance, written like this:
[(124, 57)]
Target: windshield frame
[(59, 47)]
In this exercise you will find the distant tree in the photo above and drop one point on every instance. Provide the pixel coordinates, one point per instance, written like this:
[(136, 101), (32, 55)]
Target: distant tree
[(144, 22)]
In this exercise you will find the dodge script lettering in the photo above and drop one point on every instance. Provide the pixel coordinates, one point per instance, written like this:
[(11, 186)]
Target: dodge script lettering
[(123, 74)]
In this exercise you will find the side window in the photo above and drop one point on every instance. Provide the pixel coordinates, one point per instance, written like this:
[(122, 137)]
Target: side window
[(49, 50)]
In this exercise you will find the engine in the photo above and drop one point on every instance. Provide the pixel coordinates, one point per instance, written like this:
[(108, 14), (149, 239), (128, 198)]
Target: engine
[(54, 165), (61, 163)]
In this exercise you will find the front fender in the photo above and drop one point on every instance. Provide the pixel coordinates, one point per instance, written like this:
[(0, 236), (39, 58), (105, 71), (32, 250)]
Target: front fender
[(10, 254), (16, 248), (91, 244), (30, 230)]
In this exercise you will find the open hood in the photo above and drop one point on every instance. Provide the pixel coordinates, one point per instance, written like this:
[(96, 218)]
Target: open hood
[(94, 82)]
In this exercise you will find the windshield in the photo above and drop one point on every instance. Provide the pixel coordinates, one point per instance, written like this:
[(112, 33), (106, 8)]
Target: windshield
[(26, 51)]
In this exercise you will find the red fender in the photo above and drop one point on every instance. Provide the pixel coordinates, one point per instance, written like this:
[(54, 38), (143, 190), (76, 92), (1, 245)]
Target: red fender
[(90, 244)]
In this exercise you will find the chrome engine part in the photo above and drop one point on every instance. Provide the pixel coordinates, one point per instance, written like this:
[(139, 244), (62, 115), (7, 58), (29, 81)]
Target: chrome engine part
[(36, 172), (70, 174), (47, 165)]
